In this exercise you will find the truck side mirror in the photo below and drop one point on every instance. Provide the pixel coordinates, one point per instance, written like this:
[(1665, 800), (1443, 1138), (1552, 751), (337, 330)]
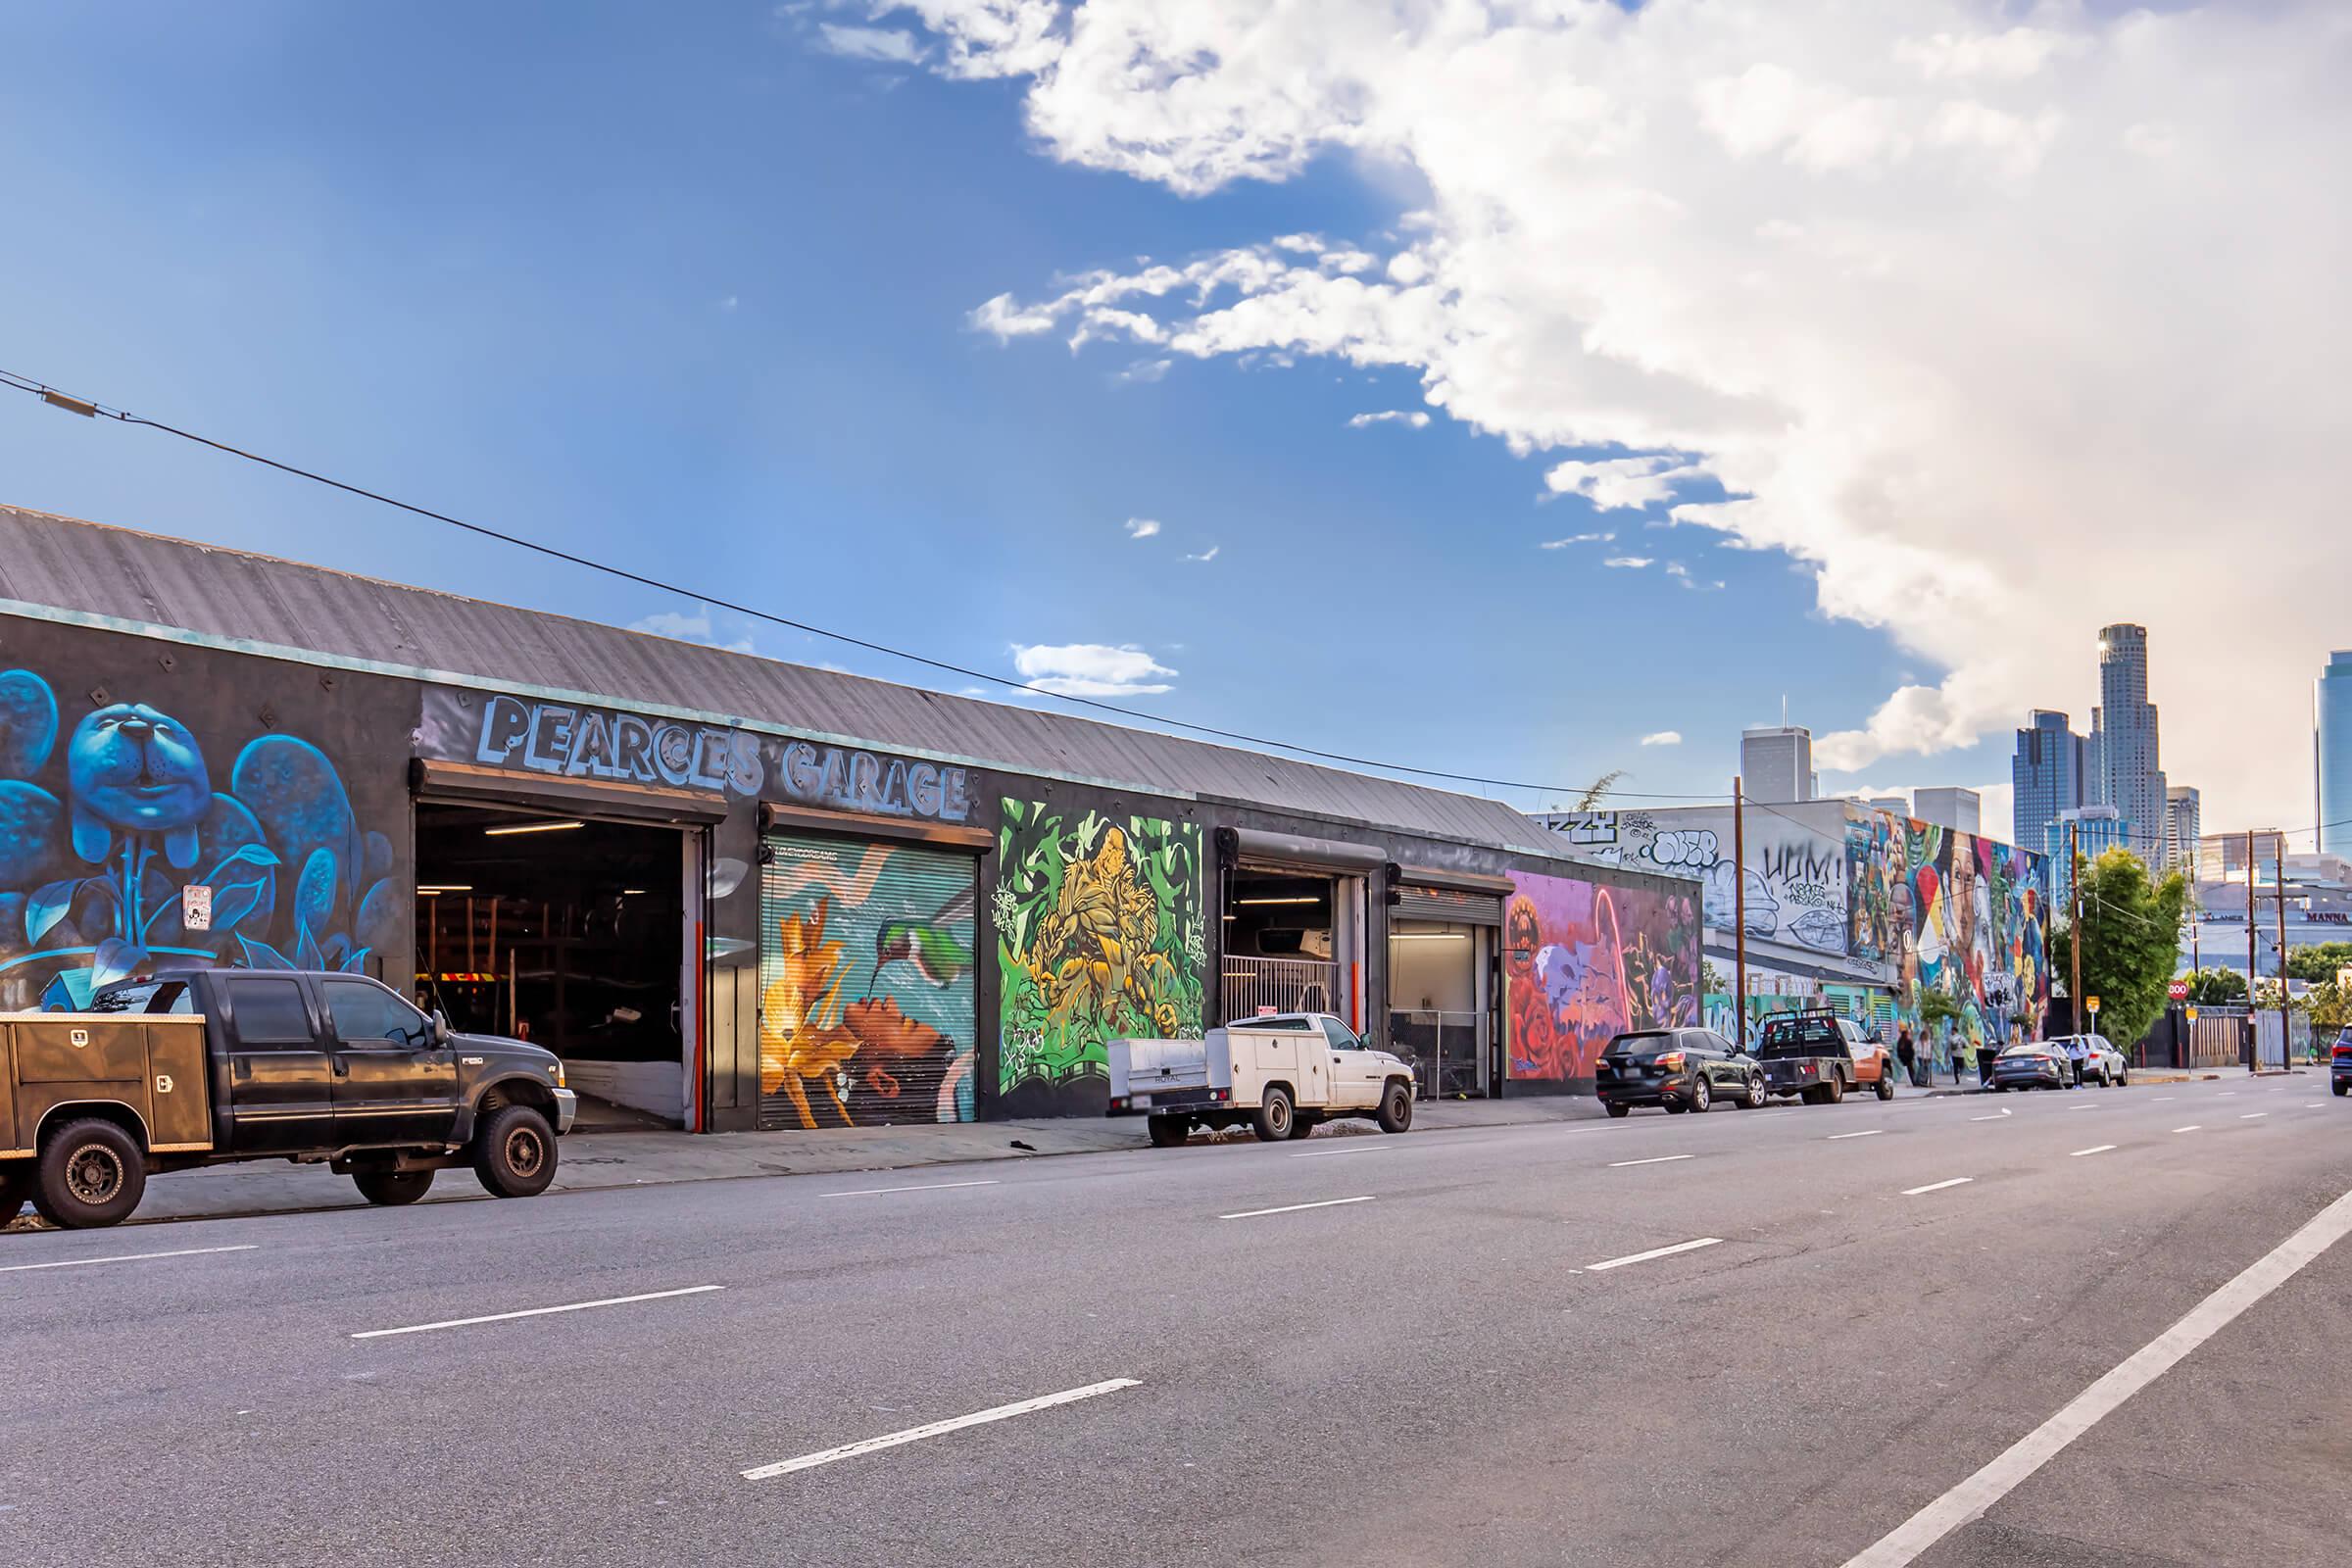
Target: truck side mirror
[(440, 1027)]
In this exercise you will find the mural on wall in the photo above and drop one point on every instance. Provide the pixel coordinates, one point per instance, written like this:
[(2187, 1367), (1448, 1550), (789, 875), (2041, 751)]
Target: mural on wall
[(867, 997), (1796, 879), (127, 846), (1102, 932), (1582, 961), (1957, 911)]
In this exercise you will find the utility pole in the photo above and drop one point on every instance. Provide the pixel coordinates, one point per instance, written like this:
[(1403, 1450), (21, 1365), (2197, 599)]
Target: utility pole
[(2285, 1056), (2073, 882), (2253, 1033), (1739, 907)]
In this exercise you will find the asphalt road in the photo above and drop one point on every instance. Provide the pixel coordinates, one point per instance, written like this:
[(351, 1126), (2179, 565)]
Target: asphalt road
[(1426, 1366)]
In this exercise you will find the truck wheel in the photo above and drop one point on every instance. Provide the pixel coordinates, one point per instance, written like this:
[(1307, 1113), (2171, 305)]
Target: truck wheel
[(1303, 1124), (91, 1174), (1832, 1091), (391, 1188), (515, 1152), (1274, 1116), (1168, 1132), (1616, 1109), (1886, 1085), (1396, 1108)]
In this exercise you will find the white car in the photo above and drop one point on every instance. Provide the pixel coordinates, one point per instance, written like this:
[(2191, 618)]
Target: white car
[(2101, 1063), (1282, 1073)]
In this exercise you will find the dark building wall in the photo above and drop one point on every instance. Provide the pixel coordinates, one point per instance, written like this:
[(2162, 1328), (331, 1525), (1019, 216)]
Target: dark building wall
[(132, 771)]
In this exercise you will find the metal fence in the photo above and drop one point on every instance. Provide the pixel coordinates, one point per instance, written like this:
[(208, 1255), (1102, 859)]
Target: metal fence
[(1281, 985), (1445, 1047)]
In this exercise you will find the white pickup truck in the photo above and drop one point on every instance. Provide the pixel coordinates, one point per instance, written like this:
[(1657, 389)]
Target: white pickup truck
[(1282, 1073)]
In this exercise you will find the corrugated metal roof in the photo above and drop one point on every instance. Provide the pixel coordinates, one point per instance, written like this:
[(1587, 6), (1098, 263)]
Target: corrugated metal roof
[(150, 581)]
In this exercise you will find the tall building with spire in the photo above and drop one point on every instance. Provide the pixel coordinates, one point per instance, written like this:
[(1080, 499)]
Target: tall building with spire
[(2129, 773), (2332, 748)]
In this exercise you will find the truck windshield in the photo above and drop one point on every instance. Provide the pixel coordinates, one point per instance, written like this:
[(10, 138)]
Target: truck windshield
[(1802, 1037)]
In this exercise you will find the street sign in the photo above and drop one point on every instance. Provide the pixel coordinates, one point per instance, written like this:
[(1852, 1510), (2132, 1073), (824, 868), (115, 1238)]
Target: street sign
[(2192, 1015), (2178, 990), (2093, 1003)]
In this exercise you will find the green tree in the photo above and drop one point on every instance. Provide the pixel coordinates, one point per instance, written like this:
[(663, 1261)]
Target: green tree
[(2131, 941), (2330, 1005), (2216, 988), (2319, 962)]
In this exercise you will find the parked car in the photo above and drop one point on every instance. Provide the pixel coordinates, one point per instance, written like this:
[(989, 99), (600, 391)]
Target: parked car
[(196, 1067), (2104, 1063), (2033, 1065), (1679, 1069), (1817, 1056), (2339, 1064), (1283, 1074)]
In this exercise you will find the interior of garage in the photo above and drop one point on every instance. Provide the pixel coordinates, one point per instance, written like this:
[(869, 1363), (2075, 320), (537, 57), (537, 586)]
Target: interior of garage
[(1281, 943), (565, 931)]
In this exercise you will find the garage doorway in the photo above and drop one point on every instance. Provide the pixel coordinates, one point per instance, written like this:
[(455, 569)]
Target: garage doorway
[(569, 932)]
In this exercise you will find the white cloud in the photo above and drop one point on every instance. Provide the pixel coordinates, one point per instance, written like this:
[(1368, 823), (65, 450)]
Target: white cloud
[(1630, 562), (1141, 528), (1206, 555), (1092, 670), (1416, 419), (1142, 371), (1924, 286), (887, 45), (1664, 737), (1578, 539), (689, 626)]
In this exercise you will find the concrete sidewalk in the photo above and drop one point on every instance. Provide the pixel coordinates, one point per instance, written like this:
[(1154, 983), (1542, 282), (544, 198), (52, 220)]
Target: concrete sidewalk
[(597, 1160)]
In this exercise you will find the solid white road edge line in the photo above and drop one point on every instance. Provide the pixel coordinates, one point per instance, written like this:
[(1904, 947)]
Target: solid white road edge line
[(125, 1257), (926, 1186), (1970, 1500), (1655, 1252), (535, 1312), (1873, 1133), (2099, 1148), (1937, 1187), (1293, 1208), (1654, 1160), (1002, 1412)]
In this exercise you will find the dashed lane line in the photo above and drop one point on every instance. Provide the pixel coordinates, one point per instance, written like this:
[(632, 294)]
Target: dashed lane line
[(2099, 1148), (1655, 1159), (1653, 1253), (920, 1187), (1937, 1187), (1872, 1133), (1293, 1208), (125, 1257), (534, 1311), (933, 1429), (2193, 1127)]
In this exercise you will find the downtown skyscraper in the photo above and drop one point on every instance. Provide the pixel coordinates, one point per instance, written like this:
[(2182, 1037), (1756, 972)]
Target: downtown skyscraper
[(2121, 757), (2332, 746)]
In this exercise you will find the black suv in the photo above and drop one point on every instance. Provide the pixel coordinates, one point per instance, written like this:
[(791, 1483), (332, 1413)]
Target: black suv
[(1681, 1069)]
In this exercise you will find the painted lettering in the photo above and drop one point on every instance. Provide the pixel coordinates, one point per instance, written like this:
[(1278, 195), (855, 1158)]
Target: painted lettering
[(550, 735), (922, 789), (505, 722)]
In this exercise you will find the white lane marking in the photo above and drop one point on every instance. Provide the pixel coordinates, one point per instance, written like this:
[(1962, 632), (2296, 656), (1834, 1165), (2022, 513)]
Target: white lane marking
[(2226, 1093), (2082, 1107), (1995, 1117), (2161, 1099), (2253, 1115), (534, 1311), (1655, 1159), (1872, 1133), (1970, 1500), (1326, 1154), (1937, 1187), (1655, 1252), (1293, 1208), (926, 1186), (125, 1257), (2097, 1148), (933, 1429), (2193, 1127), (2313, 1105)]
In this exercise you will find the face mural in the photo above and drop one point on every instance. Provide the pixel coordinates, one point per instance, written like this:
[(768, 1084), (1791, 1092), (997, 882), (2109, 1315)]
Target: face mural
[(1964, 916), (1101, 934), (1583, 963), (866, 987), (102, 839)]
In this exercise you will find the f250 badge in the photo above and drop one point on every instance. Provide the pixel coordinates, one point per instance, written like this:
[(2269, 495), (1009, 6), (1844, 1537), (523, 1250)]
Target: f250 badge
[(470, 1061)]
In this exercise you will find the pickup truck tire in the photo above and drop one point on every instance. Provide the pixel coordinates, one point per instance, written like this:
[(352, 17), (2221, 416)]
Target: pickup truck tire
[(1396, 1108), (1832, 1091), (1168, 1132), (92, 1173), (1618, 1111), (515, 1152), (392, 1187), (1275, 1116), (1885, 1086)]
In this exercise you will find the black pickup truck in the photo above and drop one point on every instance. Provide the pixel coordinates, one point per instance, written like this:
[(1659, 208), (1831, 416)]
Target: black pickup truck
[(1819, 1057), (200, 1066)]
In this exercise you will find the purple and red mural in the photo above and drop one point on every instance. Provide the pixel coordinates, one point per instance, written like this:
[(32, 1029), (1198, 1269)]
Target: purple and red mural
[(1585, 961)]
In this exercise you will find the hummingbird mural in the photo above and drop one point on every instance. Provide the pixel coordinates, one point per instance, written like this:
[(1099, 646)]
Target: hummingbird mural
[(938, 954)]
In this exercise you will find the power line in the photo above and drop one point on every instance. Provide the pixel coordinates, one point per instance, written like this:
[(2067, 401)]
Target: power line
[(93, 409)]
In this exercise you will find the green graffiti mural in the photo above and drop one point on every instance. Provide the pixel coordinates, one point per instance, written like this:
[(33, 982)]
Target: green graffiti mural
[(1100, 933)]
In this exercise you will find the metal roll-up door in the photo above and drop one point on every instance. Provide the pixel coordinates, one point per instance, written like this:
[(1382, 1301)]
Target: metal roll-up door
[(1446, 904), (867, 1008)]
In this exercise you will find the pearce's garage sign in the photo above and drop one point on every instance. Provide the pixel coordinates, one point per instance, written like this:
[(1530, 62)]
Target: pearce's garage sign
[(570, 740)]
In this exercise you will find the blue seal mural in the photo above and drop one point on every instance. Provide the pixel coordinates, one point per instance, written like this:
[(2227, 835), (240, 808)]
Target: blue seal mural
[(91, 879)]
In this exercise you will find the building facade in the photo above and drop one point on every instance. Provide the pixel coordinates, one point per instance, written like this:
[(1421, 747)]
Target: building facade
[(2096, 829), (1776, 764), (733, 892), (2046, 776), (2124, 731), (2184, 830), (2331, 753), (1951, 806)]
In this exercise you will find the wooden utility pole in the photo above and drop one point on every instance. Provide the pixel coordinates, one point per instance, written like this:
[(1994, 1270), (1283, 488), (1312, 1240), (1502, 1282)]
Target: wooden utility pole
[(2278, 868), (2253, 1033), (2073, 882), (1739, 908)]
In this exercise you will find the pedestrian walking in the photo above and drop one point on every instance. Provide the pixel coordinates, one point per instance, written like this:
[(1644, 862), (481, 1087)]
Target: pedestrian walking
[(1908, 1054)]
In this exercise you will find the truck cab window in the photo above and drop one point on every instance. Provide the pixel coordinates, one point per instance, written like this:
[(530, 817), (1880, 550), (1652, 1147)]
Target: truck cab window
[(269, 1012), (144, 995), (1341, 1038), (370, 1016)]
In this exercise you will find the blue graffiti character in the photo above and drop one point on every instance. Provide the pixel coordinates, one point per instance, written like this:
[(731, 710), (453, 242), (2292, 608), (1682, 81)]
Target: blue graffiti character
[(135, 774)]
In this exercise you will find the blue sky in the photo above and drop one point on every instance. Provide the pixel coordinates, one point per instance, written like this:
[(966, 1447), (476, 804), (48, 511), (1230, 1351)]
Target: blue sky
[(675, 289)]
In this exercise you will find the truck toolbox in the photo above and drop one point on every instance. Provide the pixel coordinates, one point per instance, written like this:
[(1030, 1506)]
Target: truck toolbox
[(179, 1107), (81, 1049)]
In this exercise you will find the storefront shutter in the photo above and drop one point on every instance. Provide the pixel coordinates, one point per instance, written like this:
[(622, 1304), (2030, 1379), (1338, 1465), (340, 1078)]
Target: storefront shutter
[(867, 1007), (1445, 903)]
